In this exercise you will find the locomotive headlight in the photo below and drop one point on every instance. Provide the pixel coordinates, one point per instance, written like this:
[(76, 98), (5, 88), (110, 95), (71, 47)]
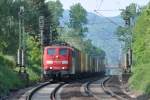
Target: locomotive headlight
[(49, 62), (51, 68), (64, 62)]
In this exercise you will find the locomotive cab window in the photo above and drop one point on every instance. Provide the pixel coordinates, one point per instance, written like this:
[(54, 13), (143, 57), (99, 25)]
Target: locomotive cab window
[(51, 51), (63, 51)]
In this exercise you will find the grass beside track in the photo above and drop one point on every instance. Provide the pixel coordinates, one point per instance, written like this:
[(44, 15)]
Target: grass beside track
[(8, 77), (140, 80)]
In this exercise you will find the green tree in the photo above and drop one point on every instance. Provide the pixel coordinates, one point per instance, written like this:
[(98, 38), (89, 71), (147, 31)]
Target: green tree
[(8, 24), (130, 12), (74, 33), (78, 18), (71, 36), (141, 46), (124, 34), (56, 9)]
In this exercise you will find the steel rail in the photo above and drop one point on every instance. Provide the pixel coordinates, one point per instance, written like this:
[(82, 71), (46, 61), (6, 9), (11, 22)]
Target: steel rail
[(89, 92), (53, 94), (110, 92), (29, 97)]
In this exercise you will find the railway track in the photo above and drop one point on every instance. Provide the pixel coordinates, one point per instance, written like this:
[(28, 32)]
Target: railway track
[(53, 94), (114, 90), (107, 93), (29, 97), (46, 91), (92, 89), (95, 89)]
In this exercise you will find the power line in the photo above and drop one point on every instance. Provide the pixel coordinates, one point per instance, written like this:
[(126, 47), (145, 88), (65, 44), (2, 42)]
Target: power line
[(97, 23), (101, 2), (104, 16), (109, 10), (107, 18), (94, 18)]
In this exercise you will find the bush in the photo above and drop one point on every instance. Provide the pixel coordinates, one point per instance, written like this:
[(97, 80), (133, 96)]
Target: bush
[(8, 77), (141, 50), (33, 59), (140, 79)]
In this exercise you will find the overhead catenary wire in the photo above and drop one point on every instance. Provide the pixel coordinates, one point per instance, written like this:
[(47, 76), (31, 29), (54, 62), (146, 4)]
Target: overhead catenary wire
[(99, 9), (98, 23), (111, 21), (101, 2), (98, 6), (109, 10)]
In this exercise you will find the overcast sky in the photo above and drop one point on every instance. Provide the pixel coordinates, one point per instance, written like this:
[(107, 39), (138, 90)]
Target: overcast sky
[(91, 5)]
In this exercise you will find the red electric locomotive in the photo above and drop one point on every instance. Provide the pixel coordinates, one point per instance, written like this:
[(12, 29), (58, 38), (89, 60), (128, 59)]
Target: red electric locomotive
[(57, 60), (60, 60)]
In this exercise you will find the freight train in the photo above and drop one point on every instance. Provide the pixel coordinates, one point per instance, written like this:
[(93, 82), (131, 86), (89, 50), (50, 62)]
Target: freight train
[(61, 60)]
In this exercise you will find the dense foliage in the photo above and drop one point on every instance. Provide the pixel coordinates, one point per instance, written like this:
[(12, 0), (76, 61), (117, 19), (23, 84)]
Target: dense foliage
[(9, 34), (139, 35), (141, 50), (124, 33), (8, 78)]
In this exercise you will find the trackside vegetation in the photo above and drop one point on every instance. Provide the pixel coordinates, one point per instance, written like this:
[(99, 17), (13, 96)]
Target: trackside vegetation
[(137, 27), (9, 39), (8, 77), (140, 79)]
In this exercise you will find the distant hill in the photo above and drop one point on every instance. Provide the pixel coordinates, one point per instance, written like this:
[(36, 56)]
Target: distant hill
[(101, 32)]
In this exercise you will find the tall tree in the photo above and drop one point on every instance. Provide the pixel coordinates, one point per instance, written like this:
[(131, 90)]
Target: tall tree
[(8, 25), (129, 13), (56, 9), (33, 9), (78, 18), (125, 33), (74, 33)]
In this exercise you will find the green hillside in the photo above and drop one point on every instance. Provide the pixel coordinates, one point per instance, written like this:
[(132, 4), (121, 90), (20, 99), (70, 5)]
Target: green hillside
[(141, 49)]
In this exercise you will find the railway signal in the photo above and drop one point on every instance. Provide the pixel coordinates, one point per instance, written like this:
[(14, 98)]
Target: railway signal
[(21, 50), (41, 30), (41, 27)]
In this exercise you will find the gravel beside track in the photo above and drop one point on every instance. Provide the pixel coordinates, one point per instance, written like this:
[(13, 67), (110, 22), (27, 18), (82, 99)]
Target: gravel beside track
[(113, 86)]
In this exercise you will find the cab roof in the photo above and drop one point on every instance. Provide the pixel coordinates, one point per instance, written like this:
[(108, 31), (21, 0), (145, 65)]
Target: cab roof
[(58, 47)]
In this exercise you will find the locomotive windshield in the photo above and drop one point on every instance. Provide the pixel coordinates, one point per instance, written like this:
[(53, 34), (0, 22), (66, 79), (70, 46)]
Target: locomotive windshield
[(63, 51), (51, 51)]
